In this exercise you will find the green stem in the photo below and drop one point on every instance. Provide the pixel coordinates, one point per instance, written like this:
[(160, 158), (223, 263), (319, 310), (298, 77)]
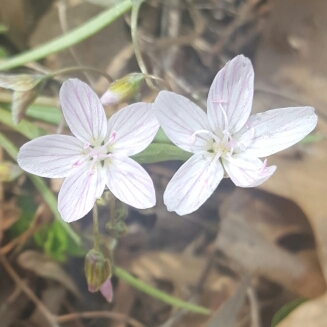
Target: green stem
[(96, 240), (138, 284), (76, 69), (71, 38)]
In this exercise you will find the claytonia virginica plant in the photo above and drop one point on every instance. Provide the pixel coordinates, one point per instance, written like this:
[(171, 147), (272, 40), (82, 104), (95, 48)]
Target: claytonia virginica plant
[(97, 156), (226, 141)]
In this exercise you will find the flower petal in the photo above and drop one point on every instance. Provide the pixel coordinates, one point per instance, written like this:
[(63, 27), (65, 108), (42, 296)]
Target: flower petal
[(135, 125), (232, 90), (180, 119), (275, 130), (80, 191), (83, 112), (247, 172), (50, 156), (107, 291), (129, 182), (193, 184)]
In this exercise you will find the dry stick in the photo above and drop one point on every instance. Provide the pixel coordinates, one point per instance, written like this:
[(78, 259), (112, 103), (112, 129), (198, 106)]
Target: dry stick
[(245, 14), (62, 15), (255, 310), (99, 314), (39, 305)]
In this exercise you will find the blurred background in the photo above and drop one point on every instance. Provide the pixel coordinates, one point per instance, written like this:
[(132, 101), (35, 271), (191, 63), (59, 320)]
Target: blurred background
[(246, 253)]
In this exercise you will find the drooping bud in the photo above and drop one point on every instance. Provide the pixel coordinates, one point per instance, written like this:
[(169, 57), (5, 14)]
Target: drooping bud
[(106, 290), (9, 171), (97, 270), (123, 89), (26, 89), (21, 82)]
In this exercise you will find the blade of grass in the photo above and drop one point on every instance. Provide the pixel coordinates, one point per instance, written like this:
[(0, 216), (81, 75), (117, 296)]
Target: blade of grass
[(138, 284), (39, 183), (73, 37), (24, 127)]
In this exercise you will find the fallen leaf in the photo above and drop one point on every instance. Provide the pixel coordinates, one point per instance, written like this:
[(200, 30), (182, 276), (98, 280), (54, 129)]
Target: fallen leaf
[(42, 266)]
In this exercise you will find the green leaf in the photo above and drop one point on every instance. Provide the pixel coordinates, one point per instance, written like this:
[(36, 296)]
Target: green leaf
[(160, 295), (286, 310), (24, 127), (73, 37), (51, 115), (161, 137), (157, 152)]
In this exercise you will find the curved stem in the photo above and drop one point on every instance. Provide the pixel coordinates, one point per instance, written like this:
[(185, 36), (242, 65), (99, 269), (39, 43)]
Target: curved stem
[(138, 55), (76, 69)]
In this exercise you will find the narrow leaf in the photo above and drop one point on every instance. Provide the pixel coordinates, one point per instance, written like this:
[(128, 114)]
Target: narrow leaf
[(141, 286)]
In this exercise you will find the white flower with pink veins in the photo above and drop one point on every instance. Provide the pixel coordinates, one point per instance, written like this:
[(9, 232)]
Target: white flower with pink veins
[(226, 141), (97, 156)]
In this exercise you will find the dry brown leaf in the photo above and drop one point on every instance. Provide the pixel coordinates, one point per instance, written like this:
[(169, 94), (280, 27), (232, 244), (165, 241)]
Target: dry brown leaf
[(11, 214), (44, 267), (294, 44), (241, 240)]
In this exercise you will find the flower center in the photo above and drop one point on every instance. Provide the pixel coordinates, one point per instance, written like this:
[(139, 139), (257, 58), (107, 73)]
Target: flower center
[(96, 154)]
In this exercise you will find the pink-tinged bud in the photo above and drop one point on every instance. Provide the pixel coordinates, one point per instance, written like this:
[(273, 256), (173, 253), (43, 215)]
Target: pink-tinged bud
[(123, 89), (97, 270), (26, 89), (9, 171), (106, 290)]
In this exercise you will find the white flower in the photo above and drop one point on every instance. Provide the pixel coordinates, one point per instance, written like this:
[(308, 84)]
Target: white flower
[(225, 141), (98, 155)]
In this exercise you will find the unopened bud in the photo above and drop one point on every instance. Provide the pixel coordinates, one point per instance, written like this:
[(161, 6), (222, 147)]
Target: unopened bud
[(123, 89), (106, 290), (9, 171), (116, 229), (97, 270), (26, 89), (21, 82)]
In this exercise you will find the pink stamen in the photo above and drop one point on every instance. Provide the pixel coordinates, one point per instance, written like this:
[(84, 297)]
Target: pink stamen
[(96, 154), (264, 165), (225, 117), (204, 131)]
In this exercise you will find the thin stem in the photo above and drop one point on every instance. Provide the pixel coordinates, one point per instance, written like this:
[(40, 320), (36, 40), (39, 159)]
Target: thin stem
[(138, 55), (96, 239), (76, 69), (99, 314)]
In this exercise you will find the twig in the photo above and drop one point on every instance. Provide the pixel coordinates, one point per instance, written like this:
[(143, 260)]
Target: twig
[(99, 314), (62, 15), (43, 309), (254, 305)]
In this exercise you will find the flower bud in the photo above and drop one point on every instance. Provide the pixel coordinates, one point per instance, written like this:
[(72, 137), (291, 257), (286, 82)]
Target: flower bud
[(116, 229), (123, 89), (97, 270), (26, 89), (9, 171), (20, 83), (106, 290)]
